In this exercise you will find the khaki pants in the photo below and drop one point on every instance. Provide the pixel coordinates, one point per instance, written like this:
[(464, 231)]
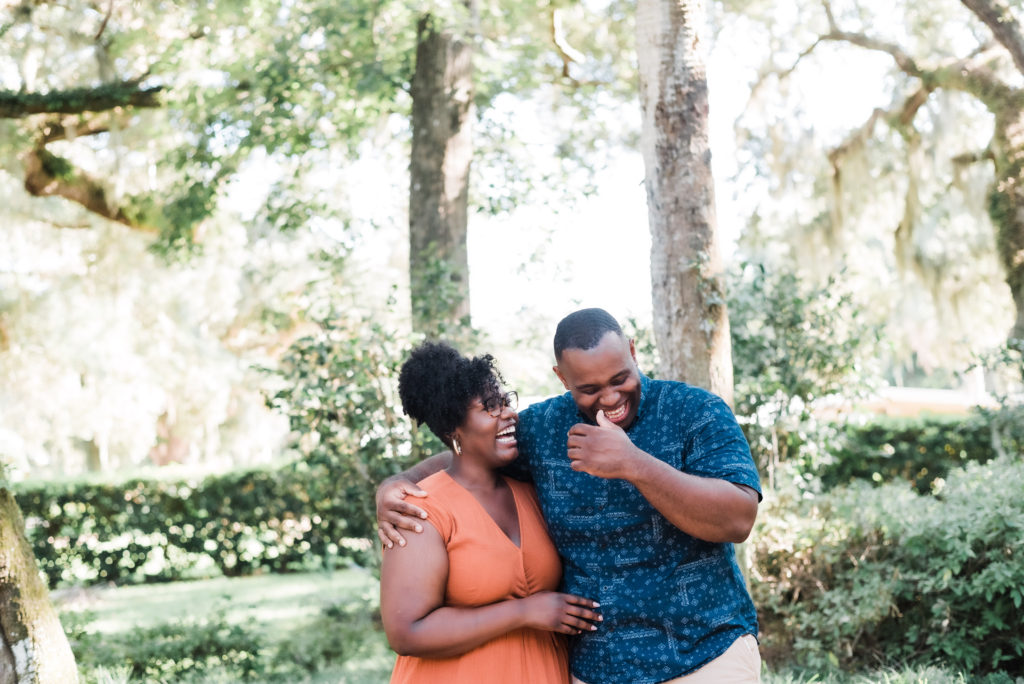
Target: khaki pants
[(740, 664)]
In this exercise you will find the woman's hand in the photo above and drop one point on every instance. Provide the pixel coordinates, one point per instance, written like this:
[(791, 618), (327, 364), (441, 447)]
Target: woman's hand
[(556, 612)]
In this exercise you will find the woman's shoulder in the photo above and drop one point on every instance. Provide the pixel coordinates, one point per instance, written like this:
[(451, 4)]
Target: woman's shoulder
[(441, 499)]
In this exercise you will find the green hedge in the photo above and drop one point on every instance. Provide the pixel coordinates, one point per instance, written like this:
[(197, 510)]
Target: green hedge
[(917, 450), (242, 522), (866, 576)]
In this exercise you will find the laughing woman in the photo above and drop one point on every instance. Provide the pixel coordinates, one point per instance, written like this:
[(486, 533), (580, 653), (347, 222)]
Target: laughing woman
[(472, 598)]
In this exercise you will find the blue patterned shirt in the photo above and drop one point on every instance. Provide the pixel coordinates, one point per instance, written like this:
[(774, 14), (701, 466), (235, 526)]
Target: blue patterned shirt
[(671, 603)]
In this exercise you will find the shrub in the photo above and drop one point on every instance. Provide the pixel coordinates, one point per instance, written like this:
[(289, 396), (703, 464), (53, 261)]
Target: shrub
[(170, 651), (866, 575), (341, 398), (918, 450), (340, 633), (792, 344), (279, 520), (215, 650)]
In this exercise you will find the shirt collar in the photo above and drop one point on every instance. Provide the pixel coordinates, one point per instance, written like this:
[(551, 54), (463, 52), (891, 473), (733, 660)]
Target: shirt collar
[(645, 390)]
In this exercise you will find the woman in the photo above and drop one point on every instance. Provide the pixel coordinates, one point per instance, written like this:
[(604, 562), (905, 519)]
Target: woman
[(471, 598)]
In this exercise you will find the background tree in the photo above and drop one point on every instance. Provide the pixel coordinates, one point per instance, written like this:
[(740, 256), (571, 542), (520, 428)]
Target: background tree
[(932, 171), (33, 648), (440, 158), (144, 114), (690, 319)]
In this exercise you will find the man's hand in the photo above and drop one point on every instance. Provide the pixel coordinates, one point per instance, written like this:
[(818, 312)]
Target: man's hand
[(603, 450), (394, 512)]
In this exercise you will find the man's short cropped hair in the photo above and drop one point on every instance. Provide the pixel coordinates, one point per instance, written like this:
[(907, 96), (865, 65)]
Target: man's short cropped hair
[(584, 329)]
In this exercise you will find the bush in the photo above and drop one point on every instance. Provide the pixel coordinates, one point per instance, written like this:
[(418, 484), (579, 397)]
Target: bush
[(864, 576), (792, 344), (340, 393), (215, 650), (917, 450), (170, 651), (293, 518)]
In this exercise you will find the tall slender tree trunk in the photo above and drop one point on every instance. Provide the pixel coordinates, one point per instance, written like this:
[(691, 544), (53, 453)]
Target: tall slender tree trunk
[(691, 324), (1006, 205), (33, 647), (442, 150)]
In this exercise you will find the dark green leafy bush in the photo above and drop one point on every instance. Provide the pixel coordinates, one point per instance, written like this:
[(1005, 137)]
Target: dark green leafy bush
[(866, 576), (170, 651), (219, 651), (918, 450), (293, 518), (793, 344), (340, 393)]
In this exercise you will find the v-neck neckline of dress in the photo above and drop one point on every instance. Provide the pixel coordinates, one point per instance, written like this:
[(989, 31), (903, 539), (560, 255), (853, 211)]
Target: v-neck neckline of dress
[(515, 501)]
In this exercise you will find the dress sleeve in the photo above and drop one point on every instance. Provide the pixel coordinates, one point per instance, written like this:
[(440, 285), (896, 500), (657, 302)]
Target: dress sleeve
[(439, 514)]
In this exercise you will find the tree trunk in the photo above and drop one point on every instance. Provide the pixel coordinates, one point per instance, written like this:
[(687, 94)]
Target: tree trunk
[(690, 319), (1006, 206), (33, 647), (442, 149)]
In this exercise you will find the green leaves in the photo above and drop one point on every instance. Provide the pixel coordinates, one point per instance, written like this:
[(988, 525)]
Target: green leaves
[(865, 576), (792, 344), (340, 395)]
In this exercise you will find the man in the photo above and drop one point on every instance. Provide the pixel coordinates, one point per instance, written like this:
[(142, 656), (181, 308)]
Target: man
[(645, 486)]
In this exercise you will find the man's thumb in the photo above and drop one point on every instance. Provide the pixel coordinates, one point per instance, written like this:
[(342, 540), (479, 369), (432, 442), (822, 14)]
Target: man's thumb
[(602, 419)]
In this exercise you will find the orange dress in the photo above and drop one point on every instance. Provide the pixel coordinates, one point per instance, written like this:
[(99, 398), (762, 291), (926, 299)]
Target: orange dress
[(484, 566)]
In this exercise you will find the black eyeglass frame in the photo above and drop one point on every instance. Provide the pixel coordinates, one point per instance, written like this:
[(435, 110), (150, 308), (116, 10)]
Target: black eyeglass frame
[(497, 403)]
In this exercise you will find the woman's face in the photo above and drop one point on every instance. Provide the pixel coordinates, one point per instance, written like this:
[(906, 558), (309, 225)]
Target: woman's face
[(489, 431)]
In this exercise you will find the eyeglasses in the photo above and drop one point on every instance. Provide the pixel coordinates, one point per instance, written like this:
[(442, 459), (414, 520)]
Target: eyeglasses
[(497, 403)]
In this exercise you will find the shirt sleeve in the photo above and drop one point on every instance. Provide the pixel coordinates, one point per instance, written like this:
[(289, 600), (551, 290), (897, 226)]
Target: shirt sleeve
[(716, 446)]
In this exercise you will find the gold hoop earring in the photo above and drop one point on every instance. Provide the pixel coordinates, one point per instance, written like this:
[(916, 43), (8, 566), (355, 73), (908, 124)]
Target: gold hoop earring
[(456, 447)]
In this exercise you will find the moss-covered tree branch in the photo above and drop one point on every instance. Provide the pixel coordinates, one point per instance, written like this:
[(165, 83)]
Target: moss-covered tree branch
[(1005, 28), (15, 105), (49, 175)]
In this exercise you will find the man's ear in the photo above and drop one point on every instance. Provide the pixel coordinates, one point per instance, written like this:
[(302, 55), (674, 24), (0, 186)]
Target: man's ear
[(561, 377), (632, 350)]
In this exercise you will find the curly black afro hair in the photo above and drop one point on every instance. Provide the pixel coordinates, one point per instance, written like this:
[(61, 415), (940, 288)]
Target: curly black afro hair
[(437, 385)]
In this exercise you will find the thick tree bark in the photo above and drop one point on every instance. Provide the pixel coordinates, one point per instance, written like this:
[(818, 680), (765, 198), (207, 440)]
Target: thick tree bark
[(33, 647), (690, 319), (442, 150), (1006, 206)]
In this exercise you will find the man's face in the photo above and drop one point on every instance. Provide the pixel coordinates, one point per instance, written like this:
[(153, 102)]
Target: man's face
[(603, 378)]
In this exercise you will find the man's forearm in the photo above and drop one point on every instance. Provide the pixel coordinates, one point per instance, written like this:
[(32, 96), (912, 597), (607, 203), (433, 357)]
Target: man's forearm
[(705, 508), (425, 468)]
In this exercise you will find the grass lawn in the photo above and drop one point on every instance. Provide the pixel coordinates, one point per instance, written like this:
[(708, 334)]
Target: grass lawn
[(312, 619)]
